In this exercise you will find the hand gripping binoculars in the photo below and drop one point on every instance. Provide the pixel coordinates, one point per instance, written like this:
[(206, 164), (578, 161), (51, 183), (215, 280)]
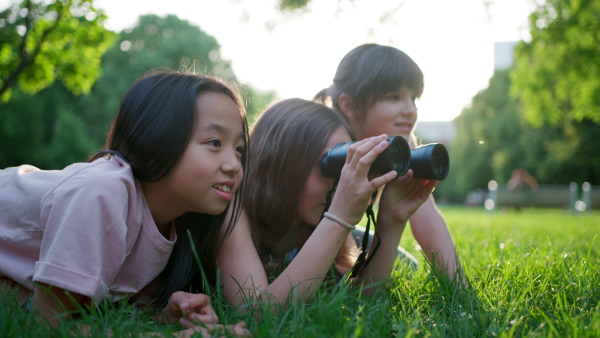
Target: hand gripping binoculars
[(429, 161)]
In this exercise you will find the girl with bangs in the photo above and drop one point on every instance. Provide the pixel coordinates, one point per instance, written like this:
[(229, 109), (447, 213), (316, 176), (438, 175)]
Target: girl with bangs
[(283, 242), (376, 88)]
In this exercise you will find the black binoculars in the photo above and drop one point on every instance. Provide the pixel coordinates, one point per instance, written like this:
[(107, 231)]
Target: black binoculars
[(429, 162)]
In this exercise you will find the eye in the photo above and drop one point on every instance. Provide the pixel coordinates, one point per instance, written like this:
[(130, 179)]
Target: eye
[(215, 143), (318, 164), (241, 150)]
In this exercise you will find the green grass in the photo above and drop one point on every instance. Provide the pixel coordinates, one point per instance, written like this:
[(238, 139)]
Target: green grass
[(532, 273)]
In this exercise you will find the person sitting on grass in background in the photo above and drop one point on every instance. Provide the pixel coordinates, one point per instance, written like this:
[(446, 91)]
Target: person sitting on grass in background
[(376, 87), (283, 232), (117, 226), (521, 179)]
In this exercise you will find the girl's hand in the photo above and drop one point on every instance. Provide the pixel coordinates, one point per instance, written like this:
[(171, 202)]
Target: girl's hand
[(190, 307), (354, 188), (215, 330), (402, 197)]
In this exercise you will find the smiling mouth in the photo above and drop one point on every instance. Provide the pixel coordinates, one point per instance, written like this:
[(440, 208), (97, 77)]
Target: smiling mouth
[(404, 125), (222, 187)]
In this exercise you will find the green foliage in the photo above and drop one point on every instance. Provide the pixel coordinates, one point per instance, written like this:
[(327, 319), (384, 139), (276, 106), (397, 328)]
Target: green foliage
[(40, 43), (257, 102), (493, 138), (557, 74), (165, 42), (54, 128), (557, 78), (290, 5), (550, 122), (69, 142), (22, 130)]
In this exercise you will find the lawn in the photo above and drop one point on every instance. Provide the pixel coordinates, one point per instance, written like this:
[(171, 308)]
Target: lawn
[(532, 273)]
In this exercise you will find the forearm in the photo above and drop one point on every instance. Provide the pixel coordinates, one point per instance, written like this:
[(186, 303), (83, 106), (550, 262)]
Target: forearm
[(307, 270), (245, 279), (51, 303), (382, 262), (431, 232)]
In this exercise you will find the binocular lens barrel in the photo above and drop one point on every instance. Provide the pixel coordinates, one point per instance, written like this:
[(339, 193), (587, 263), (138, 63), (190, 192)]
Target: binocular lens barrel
[(429, 162), (395, 157)]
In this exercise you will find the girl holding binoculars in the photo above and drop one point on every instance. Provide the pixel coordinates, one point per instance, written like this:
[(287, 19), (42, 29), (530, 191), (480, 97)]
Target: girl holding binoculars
[(375, 88), (286, 196)]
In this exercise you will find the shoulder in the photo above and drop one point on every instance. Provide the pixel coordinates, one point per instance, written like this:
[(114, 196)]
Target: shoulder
[(101, 174), (110, 177), (102, 185), (102, 194), (28, 186)]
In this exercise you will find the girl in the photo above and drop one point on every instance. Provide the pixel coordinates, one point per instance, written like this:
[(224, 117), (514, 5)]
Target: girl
[(109, 228), (375, 87), (286, 198)]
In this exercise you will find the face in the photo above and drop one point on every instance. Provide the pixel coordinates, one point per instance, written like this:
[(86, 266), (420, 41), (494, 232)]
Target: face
[(210, 169), (394, 113), (314, 192)]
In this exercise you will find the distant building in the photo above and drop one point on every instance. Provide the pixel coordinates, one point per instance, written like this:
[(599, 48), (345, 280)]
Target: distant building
[(503, 54), (435, 132)]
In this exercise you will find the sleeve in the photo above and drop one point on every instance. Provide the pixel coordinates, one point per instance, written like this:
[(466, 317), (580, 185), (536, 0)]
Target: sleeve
[(84, 243)]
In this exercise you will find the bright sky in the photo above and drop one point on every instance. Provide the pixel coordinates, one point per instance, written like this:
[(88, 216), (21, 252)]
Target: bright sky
[(452, 41)]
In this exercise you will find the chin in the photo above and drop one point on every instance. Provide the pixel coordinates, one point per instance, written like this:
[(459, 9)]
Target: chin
[(404, 135), (213, 211), (311, 222)]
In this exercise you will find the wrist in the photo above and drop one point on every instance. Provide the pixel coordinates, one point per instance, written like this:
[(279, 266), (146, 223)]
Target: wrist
[(339, 221), (163, 316), (348, 217), (390, 219)]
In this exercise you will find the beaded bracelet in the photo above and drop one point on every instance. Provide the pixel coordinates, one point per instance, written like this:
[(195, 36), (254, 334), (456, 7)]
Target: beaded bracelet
[(339, 221)]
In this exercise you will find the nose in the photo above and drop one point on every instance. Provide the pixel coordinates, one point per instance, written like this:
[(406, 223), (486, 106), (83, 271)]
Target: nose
[(232, 163), (409, 107)]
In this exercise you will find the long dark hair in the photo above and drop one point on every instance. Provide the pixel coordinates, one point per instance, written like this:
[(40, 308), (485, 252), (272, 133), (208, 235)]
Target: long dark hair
[(287, 142), (152, 129), (369, 71)]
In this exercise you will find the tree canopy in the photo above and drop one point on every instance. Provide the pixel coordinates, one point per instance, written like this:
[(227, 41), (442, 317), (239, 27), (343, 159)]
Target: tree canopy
[(54, 127), (557, 73), (40, 43), (543, 115)]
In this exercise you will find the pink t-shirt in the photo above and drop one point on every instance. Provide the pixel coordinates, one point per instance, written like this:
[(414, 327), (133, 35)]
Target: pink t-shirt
[(86, 228)]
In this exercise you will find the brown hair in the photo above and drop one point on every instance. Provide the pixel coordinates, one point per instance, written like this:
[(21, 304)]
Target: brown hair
[(286, 143), (369, 71)]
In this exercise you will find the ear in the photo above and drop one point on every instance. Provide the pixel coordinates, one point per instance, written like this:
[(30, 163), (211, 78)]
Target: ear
[(346, 105)]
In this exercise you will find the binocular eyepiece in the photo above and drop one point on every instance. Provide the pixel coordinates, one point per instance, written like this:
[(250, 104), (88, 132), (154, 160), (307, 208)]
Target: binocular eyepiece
[(429, 162)]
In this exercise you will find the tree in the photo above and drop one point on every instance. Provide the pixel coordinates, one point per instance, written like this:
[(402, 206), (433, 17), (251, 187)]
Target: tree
[(55, 128), (157, 42), (557, 74), (41, 42), (290, 5), (493, 138), (557, 78)]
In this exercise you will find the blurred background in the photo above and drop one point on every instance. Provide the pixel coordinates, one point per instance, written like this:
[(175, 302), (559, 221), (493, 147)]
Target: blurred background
[(508, 84)]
